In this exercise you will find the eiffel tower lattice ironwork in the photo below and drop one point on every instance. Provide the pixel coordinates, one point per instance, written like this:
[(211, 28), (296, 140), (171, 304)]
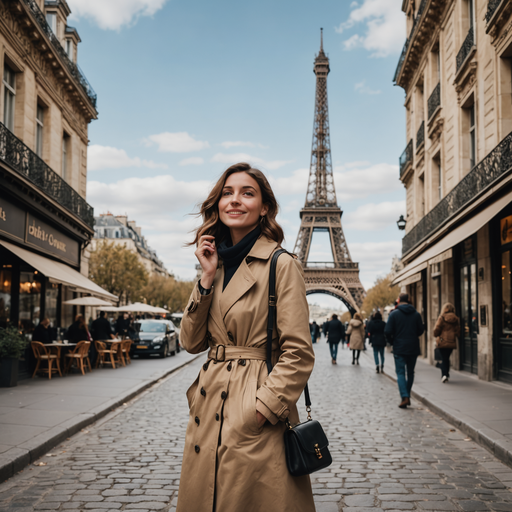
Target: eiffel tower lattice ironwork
[(321, 212)]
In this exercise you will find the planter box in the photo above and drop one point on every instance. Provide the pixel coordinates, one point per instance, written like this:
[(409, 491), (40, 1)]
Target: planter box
[(9, 372)]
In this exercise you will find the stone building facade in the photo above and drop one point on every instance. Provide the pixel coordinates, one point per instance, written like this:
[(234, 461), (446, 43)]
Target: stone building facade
[(121, 231), (456, 70)]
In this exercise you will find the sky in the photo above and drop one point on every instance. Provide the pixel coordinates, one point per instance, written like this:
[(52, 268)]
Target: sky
[(188, 88)]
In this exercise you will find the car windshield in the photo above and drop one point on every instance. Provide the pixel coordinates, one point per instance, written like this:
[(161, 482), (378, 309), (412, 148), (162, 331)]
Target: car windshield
[(149, 326)]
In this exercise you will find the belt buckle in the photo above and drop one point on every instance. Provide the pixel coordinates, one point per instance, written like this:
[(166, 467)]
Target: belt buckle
[(223, 353)]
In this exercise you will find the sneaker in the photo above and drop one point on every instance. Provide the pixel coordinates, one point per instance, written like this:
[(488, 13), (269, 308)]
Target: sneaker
[(444, 379)]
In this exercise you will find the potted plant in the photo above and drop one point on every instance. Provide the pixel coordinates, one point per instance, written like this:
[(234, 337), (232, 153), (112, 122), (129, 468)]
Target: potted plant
[(12, 347)]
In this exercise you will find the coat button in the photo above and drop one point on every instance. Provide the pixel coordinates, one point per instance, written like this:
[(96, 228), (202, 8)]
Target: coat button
[(230, 336), (197, 421), (241, 362), (196, 448), (203, 392), (217, 417), (223, 395), (229, 366), (205, 366)]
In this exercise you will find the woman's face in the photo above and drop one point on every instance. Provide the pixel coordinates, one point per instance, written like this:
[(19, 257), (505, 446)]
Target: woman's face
[(241, 205)]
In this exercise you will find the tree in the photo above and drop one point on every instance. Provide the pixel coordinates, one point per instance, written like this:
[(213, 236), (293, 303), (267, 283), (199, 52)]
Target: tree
[(117, 270), (167, 291), (380, 295)]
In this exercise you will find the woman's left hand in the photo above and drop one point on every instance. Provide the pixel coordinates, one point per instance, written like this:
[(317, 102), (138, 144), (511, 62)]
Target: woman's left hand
[(261, 419)]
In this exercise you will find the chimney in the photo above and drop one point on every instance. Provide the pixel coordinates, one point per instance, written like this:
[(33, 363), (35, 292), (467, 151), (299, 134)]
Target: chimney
[(123, 219)]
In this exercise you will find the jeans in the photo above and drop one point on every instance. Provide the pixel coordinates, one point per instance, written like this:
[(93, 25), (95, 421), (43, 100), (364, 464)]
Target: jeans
[(376, 352), (355, 355), (313, 338), (333, 347), (403, 363), (445, 358)]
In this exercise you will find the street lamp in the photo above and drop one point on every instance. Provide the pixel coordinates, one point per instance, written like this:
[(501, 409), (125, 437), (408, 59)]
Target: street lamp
[(401, 222)]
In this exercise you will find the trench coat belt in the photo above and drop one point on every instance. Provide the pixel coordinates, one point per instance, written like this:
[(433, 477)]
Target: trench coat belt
[(228, 353)]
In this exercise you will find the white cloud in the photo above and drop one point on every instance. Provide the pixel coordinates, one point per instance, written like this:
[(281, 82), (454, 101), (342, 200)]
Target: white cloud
[(385, 27), (106, 157), (296, 183), (238, 144), (234, 158), (193, 160), (179, 142), (371, 216), (114, 14), (362, 88)]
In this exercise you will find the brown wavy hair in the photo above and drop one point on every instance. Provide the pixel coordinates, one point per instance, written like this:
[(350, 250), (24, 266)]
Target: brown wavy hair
[(209, 209)]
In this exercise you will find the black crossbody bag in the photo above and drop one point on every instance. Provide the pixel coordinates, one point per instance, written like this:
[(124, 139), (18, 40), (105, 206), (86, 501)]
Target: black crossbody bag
[(306, 443)]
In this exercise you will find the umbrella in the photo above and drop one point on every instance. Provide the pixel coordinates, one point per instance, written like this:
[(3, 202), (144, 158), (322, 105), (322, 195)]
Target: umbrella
[(88, 301), (142, 308)]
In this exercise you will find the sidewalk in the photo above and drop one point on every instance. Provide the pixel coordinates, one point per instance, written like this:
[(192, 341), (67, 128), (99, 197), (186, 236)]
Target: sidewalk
[(39, 413), (482, 410)]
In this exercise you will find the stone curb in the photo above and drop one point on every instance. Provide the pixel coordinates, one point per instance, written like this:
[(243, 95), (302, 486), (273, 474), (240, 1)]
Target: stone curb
[(493, 441), (17, 458)]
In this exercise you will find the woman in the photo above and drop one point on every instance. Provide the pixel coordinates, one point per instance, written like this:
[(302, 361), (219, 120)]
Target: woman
[(234, 453), (446, 330), (377, 339), (78, 331), (356, 331)]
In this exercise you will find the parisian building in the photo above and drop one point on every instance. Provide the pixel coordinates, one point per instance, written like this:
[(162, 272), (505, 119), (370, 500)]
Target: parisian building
[(456, 71), (46, 105), (121, 231)]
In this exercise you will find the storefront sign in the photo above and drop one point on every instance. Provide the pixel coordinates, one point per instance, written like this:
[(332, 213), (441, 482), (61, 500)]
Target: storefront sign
[(506, 230), (12, 220), (446, 255), (50, 240)]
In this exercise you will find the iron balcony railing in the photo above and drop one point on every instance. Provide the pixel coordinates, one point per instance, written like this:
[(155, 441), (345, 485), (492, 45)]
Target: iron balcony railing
[(409, 39), (468, 43), (491, 9), (75, 71), (405, 158), (420, 136), (320, 265), (24, 161), (495, 165), (434, 100)]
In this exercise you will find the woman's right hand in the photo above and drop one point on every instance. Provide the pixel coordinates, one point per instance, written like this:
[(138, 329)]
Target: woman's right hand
[(208, 258)]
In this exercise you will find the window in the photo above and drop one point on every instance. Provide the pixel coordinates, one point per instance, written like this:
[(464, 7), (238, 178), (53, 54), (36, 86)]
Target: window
[(472, 136), (471, 12), (51, 19), (69, 48), (65, 157), (39, 130), (437, 174), (9, 97)]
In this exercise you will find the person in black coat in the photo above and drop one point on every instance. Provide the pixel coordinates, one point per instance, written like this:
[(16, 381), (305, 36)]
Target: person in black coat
[(403, 329), (314, 330), (101, 330), (335, 333), (41, 332), (122, 325), (78, 331), (375, 331)]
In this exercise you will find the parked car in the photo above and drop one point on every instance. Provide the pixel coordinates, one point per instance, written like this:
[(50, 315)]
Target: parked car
[(156, 337)]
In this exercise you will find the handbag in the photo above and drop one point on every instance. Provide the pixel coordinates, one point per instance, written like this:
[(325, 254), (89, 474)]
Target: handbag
[(306, 443)]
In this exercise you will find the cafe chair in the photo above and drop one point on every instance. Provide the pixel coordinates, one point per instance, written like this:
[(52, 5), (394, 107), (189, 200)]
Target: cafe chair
[(43, 355), (126, 346), (104, 353), (79, 356)]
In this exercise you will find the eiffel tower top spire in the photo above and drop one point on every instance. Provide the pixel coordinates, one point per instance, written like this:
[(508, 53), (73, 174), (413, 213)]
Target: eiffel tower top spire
[(321, 192)]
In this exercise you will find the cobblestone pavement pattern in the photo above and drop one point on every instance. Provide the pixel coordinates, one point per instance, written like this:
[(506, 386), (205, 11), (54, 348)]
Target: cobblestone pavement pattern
[(384, 458)]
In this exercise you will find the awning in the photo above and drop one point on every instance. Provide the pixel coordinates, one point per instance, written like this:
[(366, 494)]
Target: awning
[(453, 238), (58, 272)]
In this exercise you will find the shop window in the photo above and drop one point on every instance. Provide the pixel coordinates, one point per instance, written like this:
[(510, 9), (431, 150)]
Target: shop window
[(30, 301), (506, 293), (51, 303), (9, 83), (5, 295), (39, 130)]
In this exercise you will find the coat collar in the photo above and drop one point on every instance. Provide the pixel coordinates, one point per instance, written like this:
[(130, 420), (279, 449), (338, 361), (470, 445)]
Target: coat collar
[(263, 248)]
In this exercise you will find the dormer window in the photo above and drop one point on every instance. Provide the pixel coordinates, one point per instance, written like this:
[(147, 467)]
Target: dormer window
[(51, 19), (69, 48)]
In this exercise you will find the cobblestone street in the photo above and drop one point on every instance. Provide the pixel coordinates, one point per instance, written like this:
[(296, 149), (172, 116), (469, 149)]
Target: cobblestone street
[(384, 458)]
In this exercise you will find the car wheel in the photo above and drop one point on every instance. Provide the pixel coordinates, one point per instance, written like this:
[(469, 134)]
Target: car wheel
[(165, 349)]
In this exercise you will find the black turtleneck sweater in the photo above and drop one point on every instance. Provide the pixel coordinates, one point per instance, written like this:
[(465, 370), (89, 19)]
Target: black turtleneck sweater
[(233, 255)]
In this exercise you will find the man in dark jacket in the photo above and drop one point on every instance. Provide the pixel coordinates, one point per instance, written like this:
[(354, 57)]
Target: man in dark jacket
[(402, 330), (101, 330), (41, 332), (335, 333)]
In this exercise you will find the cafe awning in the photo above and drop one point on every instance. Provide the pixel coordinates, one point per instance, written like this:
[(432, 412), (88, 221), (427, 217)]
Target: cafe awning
[(58, 272), (452, 238)]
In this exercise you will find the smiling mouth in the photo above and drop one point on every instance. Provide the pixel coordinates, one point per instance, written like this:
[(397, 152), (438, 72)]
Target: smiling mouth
[(236, 213)]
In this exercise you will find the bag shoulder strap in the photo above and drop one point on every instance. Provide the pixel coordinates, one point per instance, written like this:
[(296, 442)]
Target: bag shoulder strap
[(271, 315)]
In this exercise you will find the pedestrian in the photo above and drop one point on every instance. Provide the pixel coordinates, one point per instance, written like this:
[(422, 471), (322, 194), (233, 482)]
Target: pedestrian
[(41, 332), (78, 331), (446, 331), (356, 331), (377, 340), (315, 331), (122, 325), (101, 330), (234, 456), (335, 334), (403, 329)]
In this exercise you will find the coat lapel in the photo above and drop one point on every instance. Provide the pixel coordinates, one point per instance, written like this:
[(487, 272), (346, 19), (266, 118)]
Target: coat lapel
[(240, 284)]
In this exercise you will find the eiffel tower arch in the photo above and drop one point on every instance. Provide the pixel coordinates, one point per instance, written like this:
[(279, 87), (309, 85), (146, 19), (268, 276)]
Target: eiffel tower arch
[(339, 278)]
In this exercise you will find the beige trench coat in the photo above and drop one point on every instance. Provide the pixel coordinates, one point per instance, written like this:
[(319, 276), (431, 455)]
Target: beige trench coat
[(356, 331), (229, 463)]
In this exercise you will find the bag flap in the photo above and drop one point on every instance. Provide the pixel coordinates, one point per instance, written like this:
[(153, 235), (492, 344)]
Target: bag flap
[(310, 434)]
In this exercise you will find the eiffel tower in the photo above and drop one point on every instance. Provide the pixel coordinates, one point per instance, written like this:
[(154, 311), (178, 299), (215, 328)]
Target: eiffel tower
[(321, 212)]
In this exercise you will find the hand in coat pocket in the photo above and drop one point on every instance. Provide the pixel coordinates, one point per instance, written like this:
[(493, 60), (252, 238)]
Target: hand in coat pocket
[(261, 419)]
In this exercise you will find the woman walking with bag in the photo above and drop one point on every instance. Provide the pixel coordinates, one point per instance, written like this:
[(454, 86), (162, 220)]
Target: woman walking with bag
[(234, 456), (356, 331), (377, 339), (446, 330)]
